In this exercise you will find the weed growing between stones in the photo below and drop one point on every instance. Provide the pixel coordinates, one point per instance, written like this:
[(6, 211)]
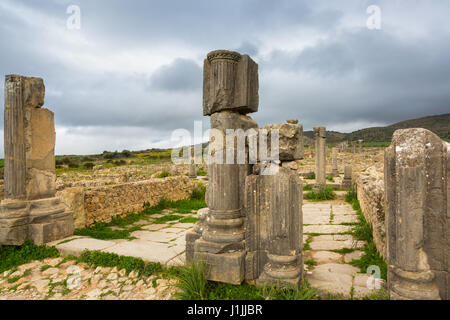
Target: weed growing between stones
[(13, 256), (326, 193), (363, 231)]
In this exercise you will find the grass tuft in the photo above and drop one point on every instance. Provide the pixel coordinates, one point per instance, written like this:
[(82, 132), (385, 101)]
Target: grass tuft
[(325, 193)]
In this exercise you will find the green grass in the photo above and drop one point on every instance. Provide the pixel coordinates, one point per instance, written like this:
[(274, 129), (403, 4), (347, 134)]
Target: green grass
[(330, 178), (201, 173), (163, 174), (307, 242), (167, 218), (307, 188), (344, 250), (189, 220), (13, 256), (310, 177), (325, 193), (363, 231), (103, 259), (103, 231), (310, 263)]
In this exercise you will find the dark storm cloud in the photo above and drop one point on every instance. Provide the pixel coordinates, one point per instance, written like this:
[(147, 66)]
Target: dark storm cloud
[(135, 68), (180, 75)]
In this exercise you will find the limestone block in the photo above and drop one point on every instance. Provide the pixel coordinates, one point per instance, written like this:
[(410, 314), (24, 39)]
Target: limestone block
[(290, 140), (417, 193), (226, 267), (33, 92), (230, 82), (73, 198)]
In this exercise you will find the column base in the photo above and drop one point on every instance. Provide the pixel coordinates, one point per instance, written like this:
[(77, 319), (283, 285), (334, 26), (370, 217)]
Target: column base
[(408, 285), (283, 271), (41, 221), (224, 267)]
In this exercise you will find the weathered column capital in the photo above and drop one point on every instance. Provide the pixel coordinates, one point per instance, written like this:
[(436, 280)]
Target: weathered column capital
[(230, 82)]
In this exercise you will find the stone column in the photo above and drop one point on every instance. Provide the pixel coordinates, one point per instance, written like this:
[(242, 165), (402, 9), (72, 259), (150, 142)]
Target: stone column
[(321, 160), (353, 146), (30, 210), (192, 166), (347, 181), (230, 90), (334, 162), (274, 228), (417, 203), (360, 144)]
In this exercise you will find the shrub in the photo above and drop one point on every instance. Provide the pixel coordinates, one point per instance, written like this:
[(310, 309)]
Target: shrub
[(201, 173), (89, 165), (73, 165)]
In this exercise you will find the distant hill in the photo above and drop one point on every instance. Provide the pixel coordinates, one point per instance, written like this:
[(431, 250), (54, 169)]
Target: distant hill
[(439, 124)]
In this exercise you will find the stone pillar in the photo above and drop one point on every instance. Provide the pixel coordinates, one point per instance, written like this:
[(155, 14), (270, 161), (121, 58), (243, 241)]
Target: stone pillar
[(230, 90), (353, 146), (274, 228), (321, 160), (417, 203), (30, 210), (334, 162), (360, 144), (192, 166), (347, 181)]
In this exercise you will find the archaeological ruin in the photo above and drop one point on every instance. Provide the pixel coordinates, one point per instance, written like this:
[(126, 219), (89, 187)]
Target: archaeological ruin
[(257, 227), (30, 210)]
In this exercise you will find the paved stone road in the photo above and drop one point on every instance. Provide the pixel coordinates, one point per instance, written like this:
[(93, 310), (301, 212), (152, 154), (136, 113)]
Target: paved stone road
[(164, 243), (326, 230)]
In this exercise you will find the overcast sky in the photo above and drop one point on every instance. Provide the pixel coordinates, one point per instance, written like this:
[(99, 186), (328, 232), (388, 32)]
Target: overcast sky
[(133, 72)]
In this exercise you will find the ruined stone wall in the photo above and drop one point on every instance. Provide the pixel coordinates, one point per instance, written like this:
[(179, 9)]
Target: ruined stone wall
[(101, 204), (370, 189)]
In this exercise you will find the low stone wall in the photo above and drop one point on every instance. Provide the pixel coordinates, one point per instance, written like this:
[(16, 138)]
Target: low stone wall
[(101, 204), (370, 189)]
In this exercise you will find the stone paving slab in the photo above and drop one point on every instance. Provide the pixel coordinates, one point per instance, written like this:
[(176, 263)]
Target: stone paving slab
[(156, 236), (148, 251), (326, 229), (77, 246)]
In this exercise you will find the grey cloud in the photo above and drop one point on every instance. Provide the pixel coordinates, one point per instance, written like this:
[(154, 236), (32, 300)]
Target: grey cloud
[(181, 75)]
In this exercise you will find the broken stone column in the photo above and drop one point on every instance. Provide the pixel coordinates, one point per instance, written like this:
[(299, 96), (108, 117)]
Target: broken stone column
[(347, 181), (274, 228), (334, 162), (321, 160), (30, 210), (192, 166), (360, 144), (417, 202), (230, 91), (353, 146), (274, 213)]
